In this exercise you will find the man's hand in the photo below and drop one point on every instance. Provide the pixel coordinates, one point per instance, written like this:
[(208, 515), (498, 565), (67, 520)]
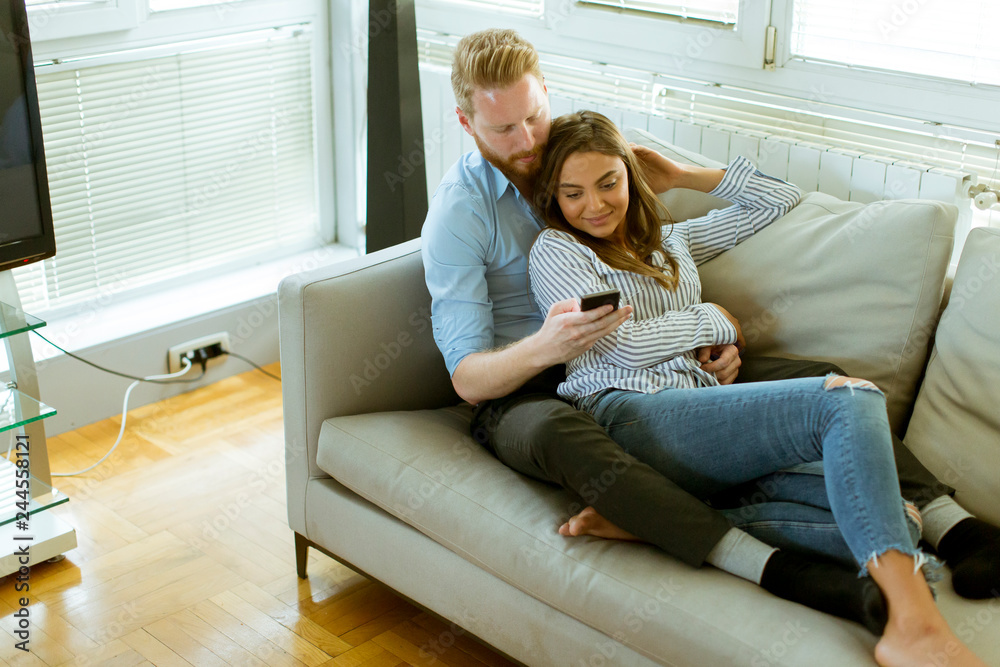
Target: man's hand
[(661, 172), (568, 332), (723, 360), (664, 174)]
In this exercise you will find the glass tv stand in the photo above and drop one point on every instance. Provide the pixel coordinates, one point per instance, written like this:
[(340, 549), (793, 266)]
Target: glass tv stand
[(29, 532)]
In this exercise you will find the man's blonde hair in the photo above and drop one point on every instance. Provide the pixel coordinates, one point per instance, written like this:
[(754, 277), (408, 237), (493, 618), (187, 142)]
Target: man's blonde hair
[(490, 59)]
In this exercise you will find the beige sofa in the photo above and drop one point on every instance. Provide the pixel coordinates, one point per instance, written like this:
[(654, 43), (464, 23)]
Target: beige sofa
[(382, 475)]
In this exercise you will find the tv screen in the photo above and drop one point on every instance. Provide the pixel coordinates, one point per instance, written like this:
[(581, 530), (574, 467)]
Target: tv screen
[(26, 233)]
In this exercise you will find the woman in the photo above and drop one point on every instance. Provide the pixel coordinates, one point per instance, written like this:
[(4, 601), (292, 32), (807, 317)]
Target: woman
[(645, 385)]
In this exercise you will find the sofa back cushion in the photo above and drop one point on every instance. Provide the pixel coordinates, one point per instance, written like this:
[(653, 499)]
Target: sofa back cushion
[(955, 430), (857, 285)]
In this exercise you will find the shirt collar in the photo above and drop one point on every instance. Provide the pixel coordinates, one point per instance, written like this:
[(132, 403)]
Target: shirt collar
[(500, 182)]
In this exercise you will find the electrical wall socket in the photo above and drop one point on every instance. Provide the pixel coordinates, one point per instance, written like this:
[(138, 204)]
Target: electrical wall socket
[(175, 353)]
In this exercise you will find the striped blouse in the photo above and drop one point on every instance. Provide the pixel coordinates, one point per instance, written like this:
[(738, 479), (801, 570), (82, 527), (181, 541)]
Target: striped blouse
[(656, 347)]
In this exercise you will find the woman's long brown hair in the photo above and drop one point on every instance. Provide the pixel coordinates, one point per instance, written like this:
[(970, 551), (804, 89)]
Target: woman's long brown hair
[(589, 131)]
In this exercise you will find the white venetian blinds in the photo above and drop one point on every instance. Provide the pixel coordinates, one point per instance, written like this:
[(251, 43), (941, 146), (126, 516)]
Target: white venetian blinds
[(164, 166), (952, 39), (719, 11)]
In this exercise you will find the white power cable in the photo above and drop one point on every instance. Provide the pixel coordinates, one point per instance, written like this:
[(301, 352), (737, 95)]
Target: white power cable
[(121, 432)]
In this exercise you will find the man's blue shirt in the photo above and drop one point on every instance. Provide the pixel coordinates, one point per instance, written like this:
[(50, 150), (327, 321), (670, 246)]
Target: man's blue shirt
[(476, 240)]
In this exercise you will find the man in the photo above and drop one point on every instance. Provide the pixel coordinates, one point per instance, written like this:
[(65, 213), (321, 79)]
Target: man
[(505, 357)]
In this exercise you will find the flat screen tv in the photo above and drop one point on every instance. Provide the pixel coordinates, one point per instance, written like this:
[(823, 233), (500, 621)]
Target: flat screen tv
[(26, 233)]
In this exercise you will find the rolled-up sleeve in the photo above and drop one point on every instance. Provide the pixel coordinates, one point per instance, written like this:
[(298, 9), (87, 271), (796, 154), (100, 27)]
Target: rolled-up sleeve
[(456, 239), (758, 200)]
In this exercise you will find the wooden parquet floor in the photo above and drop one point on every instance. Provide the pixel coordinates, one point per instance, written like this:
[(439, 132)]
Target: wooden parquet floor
[(185, 555)]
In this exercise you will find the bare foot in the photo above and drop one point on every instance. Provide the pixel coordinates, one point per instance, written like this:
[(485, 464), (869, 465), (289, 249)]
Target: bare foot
[(589, 522), (916, 634), (918, 644)]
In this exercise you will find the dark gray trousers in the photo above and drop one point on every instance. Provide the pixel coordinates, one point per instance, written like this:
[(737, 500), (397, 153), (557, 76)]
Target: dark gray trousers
[(542, 436)]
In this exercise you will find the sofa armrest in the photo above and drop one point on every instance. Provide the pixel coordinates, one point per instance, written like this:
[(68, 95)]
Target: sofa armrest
[(355, 338)]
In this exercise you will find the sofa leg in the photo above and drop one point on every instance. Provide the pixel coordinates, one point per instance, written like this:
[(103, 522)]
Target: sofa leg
[(301, 555)]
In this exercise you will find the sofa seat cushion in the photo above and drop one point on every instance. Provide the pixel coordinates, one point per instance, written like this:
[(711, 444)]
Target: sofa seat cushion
[(422, 467), (955, 430)]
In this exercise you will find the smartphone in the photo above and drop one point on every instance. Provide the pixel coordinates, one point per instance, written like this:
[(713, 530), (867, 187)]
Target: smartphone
[(598, 299)]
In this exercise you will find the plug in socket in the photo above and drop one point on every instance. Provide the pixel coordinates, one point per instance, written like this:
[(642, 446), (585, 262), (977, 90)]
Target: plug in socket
[(175, 353)]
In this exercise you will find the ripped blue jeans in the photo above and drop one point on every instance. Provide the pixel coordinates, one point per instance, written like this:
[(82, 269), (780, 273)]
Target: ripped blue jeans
[(710, 439)]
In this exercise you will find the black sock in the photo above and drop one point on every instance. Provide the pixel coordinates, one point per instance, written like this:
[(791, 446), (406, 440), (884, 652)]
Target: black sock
[(972, 550), (826, 586)]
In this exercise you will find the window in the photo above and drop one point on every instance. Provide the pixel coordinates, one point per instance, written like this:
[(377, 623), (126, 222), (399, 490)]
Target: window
[(642, 34), (56, 19), (950, 40), (719, 11), (148, 185)]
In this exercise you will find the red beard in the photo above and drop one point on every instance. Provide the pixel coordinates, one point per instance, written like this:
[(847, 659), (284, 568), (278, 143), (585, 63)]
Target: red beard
[(510, 167)]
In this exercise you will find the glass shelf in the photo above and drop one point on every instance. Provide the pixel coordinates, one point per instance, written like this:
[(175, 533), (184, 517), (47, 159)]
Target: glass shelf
[(18, 409), (14, 321), (43, 495)]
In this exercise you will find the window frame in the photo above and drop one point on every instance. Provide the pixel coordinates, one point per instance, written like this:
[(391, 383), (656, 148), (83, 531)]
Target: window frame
[(639, 40), (55, 21)]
